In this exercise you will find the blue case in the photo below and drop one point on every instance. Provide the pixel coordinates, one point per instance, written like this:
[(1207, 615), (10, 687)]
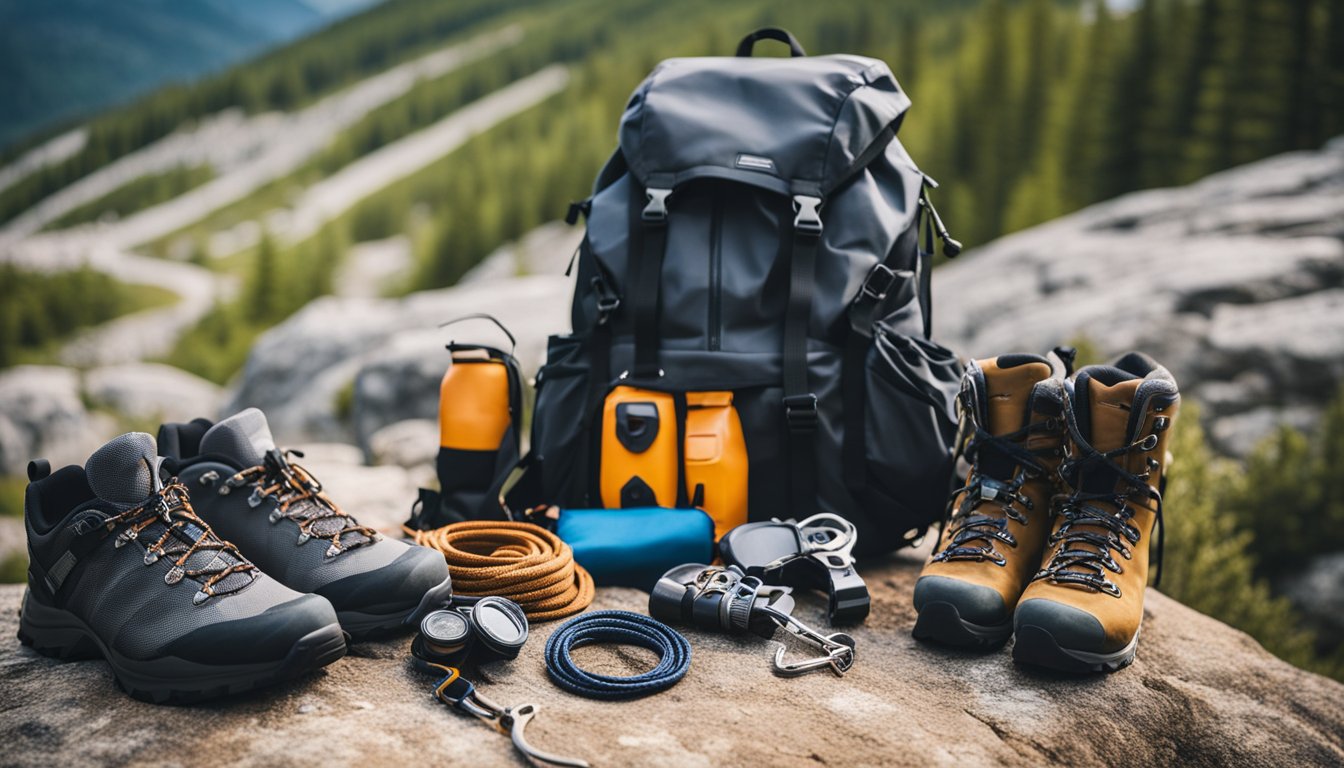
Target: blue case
[(634, 547)]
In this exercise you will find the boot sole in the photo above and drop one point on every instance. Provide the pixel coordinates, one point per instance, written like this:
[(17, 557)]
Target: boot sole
[(366, 626), (1036, 647), (941, 622), (59, 634)]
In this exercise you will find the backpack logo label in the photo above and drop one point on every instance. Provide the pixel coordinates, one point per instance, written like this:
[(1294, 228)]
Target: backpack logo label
[(755, 163)]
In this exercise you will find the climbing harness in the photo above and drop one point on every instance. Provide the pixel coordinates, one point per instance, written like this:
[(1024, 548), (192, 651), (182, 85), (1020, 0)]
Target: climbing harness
[(814, 553), (520, 561), (621, 628), (723, 599)]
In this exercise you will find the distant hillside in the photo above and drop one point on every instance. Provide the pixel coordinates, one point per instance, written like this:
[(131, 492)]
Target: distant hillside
[(60, 59)]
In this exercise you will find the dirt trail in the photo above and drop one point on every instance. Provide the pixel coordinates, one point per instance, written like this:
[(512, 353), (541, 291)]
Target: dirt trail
[(49, 152), (273, 145), (245, 151)]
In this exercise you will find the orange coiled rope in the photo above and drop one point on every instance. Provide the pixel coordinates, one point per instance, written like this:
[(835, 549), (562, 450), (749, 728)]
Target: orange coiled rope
[(521, 561)]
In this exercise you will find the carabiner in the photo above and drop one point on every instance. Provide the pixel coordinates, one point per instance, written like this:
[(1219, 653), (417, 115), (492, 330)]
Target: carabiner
[(516, 719), (458, 692), (839, 647)]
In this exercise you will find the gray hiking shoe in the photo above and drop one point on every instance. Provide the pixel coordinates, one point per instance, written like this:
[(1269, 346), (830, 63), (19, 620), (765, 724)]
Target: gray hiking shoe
[(122, 568), (275, 511)]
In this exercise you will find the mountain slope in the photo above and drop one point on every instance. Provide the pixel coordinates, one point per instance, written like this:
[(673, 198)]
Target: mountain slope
[(63, 58)]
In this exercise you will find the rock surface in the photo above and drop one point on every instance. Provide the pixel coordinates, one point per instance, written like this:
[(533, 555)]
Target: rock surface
[(344, 368), (42, 414), (152, 392), (63, 415), (1199, 694), (1236, 283)]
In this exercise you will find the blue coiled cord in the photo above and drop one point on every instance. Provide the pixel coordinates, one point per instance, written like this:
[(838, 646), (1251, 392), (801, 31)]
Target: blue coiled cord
[(622, 628)]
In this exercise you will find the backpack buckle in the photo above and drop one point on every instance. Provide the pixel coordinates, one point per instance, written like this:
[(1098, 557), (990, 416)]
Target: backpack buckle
[(878, 282), (808, 218), (607, 302), (656, 210), (800, 412)]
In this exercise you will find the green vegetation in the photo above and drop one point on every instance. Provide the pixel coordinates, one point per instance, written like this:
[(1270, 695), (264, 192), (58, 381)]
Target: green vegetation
[(14, 568), (274, 287), (137, 195), (1212, 557), (11, 496), (39, 310), (1290, 502)]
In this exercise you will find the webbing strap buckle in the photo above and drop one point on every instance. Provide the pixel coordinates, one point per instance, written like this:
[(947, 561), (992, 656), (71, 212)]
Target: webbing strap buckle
[(800, 412), (878, 282), (807, 221), (607, 302), (655, 213)]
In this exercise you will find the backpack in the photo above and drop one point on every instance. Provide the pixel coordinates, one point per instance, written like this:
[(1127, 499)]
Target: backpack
[(754, 247)]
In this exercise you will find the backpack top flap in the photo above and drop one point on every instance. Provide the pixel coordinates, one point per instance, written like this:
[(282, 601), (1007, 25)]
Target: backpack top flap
[(800, 125)]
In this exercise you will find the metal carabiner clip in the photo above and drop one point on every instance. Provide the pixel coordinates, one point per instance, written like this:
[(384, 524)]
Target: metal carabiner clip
[(456, 691), (839, 647)]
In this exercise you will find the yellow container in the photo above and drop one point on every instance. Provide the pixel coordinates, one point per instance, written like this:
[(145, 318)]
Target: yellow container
[(639, 449), (716, 459), (474, 403)]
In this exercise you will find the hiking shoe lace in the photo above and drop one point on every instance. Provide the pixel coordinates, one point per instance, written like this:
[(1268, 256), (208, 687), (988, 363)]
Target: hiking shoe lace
[(1097, 524), (184, 536), (1002, 499), (298, 496)]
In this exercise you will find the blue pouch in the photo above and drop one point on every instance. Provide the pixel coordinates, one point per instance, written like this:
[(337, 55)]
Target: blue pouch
[(634, 547)]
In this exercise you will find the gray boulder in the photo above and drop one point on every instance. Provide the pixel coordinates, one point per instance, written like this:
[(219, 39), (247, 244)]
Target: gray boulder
[(151, 392), (1236, 283), (42, 415), (1318, 592), (342, 368), (410, 443)]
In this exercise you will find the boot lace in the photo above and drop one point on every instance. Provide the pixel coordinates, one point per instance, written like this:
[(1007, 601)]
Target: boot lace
[(298, 496), (184, 535), (1097, 524), (968, 523)]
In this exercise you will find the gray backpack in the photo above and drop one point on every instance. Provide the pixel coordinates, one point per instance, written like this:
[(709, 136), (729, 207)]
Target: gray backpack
[(757, 233)]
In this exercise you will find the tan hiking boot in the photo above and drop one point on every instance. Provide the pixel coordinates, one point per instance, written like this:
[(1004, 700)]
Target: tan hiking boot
[(1082, 611), (998, 521)]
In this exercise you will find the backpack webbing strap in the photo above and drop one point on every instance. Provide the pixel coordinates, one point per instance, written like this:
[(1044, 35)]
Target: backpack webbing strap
[(862, 315), (800, 402), (644, 282)]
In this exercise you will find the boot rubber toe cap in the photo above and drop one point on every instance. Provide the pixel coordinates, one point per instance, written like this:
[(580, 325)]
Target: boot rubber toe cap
[(975, 603), (266, 637), (1071, 628)]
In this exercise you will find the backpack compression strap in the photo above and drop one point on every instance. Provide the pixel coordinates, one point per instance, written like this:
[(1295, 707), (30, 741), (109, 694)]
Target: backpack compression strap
[(800, 402)]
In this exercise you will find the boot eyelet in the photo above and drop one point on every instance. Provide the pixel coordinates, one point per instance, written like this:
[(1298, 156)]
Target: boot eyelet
[(209, 478), (1149, 443), (174, 575), (1110, 588)]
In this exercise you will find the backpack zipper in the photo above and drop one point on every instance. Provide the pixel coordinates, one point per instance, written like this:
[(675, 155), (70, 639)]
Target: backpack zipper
[(715, 272)]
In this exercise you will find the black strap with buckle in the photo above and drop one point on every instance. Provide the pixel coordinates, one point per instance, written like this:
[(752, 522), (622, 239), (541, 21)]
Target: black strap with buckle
[(646, 276), (800, 402)]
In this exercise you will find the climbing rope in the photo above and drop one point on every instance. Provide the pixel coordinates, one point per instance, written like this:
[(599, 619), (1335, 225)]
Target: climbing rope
[(620, 628), (521, 561)]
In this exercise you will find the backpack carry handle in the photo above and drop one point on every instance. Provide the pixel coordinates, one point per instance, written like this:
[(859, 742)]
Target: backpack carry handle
[(770, 33), (513, 343)]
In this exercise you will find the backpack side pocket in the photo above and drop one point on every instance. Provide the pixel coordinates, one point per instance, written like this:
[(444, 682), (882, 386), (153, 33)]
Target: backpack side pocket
[(911, 423)]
